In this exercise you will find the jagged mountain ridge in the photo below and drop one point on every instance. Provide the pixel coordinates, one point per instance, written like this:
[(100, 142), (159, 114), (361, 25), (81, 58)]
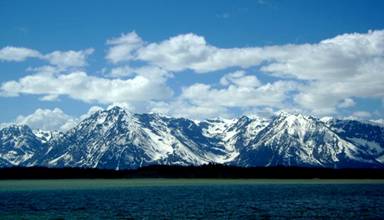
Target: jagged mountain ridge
[(19, 146), (116, 139), (297, 140)]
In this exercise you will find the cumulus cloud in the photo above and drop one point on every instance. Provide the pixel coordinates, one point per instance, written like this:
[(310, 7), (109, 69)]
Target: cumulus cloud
[(126, 106), (240, 79), (46, 69), (18, 53), (349, 65), (151, 72), (304, 61), (186, 51), (270, 94), (182, 108), (81, 86), (237, 90), (264, 112), (347, 103), (51, 119), (123, 48), (330, 59), (121, 71), (62, 59), (319, 78), (92, 110), (47, 119), (330, 68), (324, 95), (361, 115), (69, 58)]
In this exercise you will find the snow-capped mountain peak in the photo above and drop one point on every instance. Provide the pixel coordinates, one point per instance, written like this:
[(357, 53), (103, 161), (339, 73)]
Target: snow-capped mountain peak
[(118, 139)]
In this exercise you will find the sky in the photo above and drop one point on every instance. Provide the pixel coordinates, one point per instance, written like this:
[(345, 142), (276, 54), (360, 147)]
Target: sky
[(62, 60)]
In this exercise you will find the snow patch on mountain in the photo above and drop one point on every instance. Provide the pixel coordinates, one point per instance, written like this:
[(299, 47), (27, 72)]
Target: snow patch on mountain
[(117, 139)]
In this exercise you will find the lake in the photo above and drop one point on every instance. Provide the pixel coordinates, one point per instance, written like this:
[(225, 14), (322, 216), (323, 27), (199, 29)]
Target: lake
[(191, 199)]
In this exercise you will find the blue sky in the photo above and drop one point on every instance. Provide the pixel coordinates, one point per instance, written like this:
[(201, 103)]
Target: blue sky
[(195, 59)]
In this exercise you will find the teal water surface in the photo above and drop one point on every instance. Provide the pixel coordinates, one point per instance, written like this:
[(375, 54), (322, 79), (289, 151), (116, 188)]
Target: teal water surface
[(191, 199)]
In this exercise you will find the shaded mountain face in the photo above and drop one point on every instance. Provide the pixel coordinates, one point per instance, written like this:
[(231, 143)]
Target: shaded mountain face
[(119, 140), (116, 139), (367, 137), (19, 146), (297, 140)]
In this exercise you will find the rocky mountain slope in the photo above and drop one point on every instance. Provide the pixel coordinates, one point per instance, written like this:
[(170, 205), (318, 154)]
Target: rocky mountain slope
[(116, 139)]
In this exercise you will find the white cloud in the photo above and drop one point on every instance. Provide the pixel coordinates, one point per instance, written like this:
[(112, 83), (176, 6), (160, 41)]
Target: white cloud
[(330, 68), (325, 95), (80, 86), (92, 110), (332, 58), (51, 119), (47, 69), (61, 59), (17, 53), (237, 90), (263, 112), (181, 108), (270, 94), (186, 51), (47, 119), (190, 51), (361, 114), (123, 47), (151, 72), (318, 78), (347, 103), (239, 78), (69, 58), (121, 71), (126, 106), (349, 65)]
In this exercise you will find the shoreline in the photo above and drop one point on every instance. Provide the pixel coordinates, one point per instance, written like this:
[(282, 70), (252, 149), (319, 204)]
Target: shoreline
[(101, 184), (211, 171)]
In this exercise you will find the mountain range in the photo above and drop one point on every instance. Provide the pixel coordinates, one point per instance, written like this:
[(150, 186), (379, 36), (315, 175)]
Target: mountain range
[(117, 139)]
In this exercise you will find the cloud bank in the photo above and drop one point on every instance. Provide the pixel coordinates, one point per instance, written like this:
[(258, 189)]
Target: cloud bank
[(327, 70), (83, 87), (57, 58), (319, 78)]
